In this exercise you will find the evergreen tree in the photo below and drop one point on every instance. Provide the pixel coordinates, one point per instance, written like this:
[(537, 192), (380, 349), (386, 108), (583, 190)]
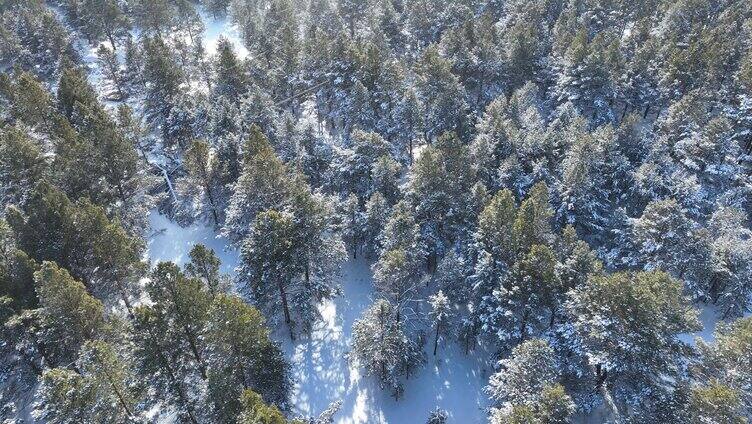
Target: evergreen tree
[(16, 275), (715, 403), (732, 277), (396, 278), (269, 255), (255, 411), (182, 303), (380, 345), (263, 184), (103, 390), (606, 309), (162, 361), (231, 81), (110, 66), (242, 356), (80, 238), (104, 19), (163, 79), (443, 96), (724, 364), (440, 313), (204, 174), (69, 314), (376, 216), (666, 239), (523, 376), (22, 166), (204, 265)]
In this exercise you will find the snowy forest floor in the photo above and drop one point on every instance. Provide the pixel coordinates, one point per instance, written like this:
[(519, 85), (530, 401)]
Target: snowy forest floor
[(322, 373)]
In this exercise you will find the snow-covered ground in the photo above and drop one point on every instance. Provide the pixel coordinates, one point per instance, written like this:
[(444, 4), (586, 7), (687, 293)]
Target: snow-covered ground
[(221, 27), (321, 371), (171, 242)]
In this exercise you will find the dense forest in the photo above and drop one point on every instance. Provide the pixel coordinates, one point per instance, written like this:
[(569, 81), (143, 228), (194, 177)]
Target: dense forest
[(558, 189)]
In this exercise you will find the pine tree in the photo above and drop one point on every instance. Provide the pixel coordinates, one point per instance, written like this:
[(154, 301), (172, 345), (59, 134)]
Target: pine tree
[(319, 251), (29, 101), (396, 278), (443, 96), (732, 277), (103, 390), (70, 315), (715, 403), (242, 357), (163, 78), (22, 166), (523, 376), (352, 13), (376, 215), (255, 411), (263, 184), (356, 177), (440, 313), (16, 276), (204, 265), (162, 361), (603, 313), (110, 66), (183, 304), (380, 345), (352, 225), (269, 256), (231, 81), (104, 19), (385, 174), (724, 361), (203, 171), (218, 8), (533, 223), (153, 16), (80, 238), (666, 239), (66, 397)]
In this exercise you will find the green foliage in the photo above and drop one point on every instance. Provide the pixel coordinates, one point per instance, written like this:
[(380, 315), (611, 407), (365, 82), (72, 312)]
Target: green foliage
[(255, 411), (70, 315), (629, 323), (715, 403)]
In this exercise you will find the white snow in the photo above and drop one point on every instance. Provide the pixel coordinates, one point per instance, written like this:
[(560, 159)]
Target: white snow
[(709, 318), (321, 371), (171, 242), (217, 27)]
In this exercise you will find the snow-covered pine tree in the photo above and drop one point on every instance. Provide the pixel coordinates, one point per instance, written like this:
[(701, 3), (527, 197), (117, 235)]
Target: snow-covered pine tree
[(380, 345)]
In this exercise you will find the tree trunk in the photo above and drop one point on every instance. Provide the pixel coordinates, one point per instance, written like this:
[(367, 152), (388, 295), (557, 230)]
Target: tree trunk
[(213, 205), (286, 308), (436, 339), (194, 349), (411, 150), (176, 385), (523, 325), (121, 398)]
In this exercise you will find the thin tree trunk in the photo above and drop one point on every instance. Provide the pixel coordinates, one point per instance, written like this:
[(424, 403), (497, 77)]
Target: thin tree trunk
[(286, 308), (194, 349), (436, 339), (121, 398)]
